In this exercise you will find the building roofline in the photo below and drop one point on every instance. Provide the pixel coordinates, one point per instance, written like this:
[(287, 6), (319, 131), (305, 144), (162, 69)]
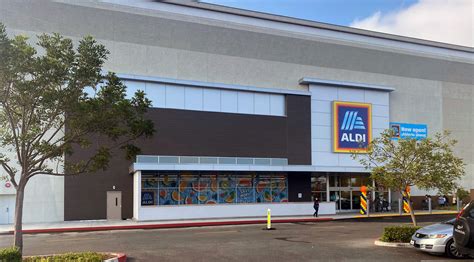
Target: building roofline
[(318, 81), (313, 24)]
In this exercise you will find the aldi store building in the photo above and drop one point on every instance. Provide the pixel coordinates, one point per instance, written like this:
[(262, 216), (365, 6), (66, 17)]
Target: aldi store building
[(252, 111)]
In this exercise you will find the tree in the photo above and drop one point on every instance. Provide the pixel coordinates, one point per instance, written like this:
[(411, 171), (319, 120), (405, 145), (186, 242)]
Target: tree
[(45, 111), (427, 164)]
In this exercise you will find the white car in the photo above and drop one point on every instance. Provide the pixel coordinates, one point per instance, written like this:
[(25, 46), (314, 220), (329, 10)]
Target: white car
[(436, 239)]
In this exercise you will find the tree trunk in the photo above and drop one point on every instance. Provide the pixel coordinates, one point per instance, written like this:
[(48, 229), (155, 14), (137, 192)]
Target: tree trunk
[(18, 235), (412, 212)]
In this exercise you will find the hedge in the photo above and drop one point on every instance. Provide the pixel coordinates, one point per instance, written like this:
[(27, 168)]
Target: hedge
[(86, 256), (11, 254), (400, 234)]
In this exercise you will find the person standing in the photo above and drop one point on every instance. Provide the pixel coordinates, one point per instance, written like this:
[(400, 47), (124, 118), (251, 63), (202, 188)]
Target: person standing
[(316, 207)]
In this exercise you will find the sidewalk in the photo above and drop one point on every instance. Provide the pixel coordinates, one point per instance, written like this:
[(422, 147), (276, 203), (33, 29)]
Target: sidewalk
[(104, 225)]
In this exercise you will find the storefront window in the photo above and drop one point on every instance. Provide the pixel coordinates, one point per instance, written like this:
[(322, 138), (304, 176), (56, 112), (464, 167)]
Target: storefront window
[(207, 190), (226, 189), (345, 181), (279, 189), (263, 189), (318, 187), (245, 192), (193, 188), (168, 188)]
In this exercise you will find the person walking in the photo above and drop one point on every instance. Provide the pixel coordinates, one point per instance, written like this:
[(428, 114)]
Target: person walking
[(316, 207)]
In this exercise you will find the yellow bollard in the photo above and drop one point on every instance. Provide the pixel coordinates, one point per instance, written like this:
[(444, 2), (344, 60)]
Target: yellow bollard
[(269, 219)]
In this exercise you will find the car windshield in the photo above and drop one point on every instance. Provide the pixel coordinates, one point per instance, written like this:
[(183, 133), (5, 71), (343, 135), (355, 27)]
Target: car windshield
[(449, 222)]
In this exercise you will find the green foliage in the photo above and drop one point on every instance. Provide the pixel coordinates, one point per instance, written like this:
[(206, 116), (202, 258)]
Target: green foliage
[(463, 195), (63, 89), (11, 254), (399, 234), (69, 257), (428, 164), (57, 99)]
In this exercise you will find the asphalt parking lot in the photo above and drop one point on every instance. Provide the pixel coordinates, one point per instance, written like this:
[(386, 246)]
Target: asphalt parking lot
[(346, 240)]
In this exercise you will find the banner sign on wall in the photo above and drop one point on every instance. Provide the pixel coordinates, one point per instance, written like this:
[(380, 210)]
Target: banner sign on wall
[(405, 130), (148, 198), (352, 126)]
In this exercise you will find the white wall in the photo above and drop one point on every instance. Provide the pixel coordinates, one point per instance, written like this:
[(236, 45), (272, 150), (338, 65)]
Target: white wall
[(235, 210), (321, 122), (209, 99), (7, 209), (44, 195)]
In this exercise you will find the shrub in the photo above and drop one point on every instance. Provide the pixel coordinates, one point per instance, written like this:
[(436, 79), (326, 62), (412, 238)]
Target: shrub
[(69, 257), (11, 254), (400, 234)]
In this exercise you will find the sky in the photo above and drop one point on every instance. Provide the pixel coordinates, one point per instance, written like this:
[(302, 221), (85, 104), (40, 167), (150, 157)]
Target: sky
[(449, 21)]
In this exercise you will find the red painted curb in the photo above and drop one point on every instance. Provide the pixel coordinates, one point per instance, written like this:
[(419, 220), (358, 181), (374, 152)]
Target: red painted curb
[(122, 257), (170, 225)]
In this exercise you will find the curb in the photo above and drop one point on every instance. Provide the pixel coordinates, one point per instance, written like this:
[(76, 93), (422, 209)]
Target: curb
[(403, 215), (169, 225), (119, 257), (388, 244)]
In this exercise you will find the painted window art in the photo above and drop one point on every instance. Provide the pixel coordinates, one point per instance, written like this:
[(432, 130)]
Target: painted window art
[(207, 188)]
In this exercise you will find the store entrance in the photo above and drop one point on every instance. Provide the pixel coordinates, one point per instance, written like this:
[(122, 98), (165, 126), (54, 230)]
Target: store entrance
[(346, 199), (344, 189), (341, 188)]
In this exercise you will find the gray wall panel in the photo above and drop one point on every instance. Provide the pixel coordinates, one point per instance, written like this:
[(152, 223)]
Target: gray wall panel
[(155, 31)]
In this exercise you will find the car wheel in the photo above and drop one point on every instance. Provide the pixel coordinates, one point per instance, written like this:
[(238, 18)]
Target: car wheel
[(452, 251)]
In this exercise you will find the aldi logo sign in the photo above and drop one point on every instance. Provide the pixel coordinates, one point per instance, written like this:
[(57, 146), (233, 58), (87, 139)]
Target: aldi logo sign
[(352, 124)]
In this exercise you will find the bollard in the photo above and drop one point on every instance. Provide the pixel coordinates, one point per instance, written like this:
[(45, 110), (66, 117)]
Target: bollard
[(269, 219), (364, 202), (430, 207), (406, 198)]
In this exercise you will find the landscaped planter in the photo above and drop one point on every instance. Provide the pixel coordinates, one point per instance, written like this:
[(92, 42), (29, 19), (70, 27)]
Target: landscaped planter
[(87, 256)]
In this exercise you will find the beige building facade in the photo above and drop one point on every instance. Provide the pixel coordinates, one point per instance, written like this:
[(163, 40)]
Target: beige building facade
[(406, 80)]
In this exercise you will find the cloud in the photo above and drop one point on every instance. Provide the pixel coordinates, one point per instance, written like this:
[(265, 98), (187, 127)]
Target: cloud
[(437, 20)]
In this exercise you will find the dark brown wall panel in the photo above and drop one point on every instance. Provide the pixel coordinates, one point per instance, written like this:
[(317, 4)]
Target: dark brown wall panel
[(298, 110), (193, 133), (299, 182)]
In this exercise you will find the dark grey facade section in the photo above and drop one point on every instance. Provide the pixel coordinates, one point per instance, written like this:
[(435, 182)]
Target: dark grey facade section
[(192, 133), (155, 31), (298, 110), (299, 183)]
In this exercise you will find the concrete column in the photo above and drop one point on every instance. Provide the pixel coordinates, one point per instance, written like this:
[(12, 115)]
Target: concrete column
[(137, 194), (430, 207), (328, 198)]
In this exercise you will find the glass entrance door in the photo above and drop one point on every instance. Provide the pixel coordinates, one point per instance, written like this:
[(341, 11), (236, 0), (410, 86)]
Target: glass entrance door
[(346, 203), (345, 190)]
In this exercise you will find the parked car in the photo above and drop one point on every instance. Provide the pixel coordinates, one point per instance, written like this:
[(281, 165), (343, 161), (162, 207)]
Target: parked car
[(463, 230), (437, 239)]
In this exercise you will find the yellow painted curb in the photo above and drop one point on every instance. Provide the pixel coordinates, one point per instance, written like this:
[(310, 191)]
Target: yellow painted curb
[(416, 214)]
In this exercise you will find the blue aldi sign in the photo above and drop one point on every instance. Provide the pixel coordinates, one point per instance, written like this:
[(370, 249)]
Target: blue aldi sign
[(148, 198), (352, 123)]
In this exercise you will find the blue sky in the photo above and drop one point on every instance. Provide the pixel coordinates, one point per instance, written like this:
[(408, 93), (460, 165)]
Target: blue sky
[(339, 12)]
